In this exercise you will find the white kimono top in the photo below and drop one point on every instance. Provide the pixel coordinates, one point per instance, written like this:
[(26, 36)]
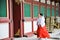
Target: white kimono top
[(41, 21)]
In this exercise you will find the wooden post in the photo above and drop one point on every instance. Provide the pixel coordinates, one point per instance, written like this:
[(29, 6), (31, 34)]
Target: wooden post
[(55, 11), (11, 32), (59, 13), (21, 21), (59, 9), (45, 12), (50, 15), (45, 9), (32, 16)]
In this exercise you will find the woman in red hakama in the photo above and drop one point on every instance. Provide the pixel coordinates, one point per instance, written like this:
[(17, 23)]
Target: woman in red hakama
[(42, 31)]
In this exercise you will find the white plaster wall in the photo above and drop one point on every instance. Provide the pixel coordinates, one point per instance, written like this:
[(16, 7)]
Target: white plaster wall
[(35, 25), (4, 30), (53, 3), (48, 1), (36, 0), (57, 4), (58, 19), (43, 1), (27, 26)]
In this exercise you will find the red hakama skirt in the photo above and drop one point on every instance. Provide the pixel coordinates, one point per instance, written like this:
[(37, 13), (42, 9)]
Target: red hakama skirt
[(42, 32)]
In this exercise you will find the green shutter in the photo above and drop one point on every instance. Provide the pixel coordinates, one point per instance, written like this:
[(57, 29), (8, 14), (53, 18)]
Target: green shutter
[(48, 12), (57, 12), (42, 10), (3, 9), (27, 10), (35, 10), (52, 11)]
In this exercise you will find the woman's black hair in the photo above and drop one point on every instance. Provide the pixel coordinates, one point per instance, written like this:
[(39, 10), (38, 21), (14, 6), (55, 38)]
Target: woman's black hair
[(41, 14)]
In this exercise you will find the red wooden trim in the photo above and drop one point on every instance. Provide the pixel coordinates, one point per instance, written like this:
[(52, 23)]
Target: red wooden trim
[(31, 19), (11, 19), (34, 18), (22, 18), (32, 15), (35, 2), (22, 23), (29, 1), (39, 3), (4, 20), (48, 5), (43, 4)]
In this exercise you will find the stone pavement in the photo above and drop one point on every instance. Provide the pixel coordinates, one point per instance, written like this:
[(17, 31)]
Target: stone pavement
[(54, 36), (34, 37)]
